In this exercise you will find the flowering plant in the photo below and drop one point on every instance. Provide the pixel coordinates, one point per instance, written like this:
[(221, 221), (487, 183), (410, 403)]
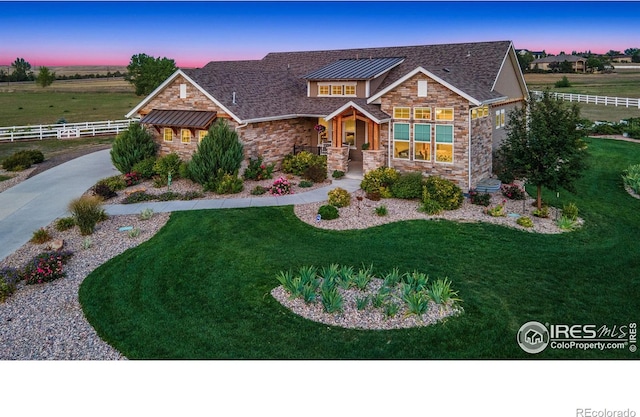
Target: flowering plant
[(480, 199), (46, 267), (512, 191), (258, 170), (319, 128), (281, 186), (132, 178)]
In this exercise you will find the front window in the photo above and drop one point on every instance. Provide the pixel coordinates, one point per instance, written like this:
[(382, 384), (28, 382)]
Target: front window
[(185, 135), (444, 143), (422, 113), (167, 134), (401, 112), (401, 140), (444, 114), (349, 133), (201, 135), (422, 142), (499, 118)]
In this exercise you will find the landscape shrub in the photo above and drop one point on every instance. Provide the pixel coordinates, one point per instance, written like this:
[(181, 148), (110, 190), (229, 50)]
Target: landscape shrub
[(168, 164), (219, 151), (281, 186), (305, 184), (381, 210), (379, 181), (115, 183), (328, 212), (339, 197), (258, 190), (543, 212), (46, 267), (480, 199), (257, 170), (8, 280), (103, 191), (34, 155), (316, 172), (40, 236), (168, 196), (192, 195), (337, 174), (132, 146), (563, 83), (65, 223), (431, 207), (298, 164), (17, 162), (525, 221), (407, 186), (137, 197), (445, 192), (132, 178), (145, 168), (87, 211), (513, 192), (570, 211), (229, 184), (631, 178)]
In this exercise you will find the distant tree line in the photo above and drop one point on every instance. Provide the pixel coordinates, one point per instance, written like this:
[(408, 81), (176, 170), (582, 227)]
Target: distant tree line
[(21, 71), (595, 62)]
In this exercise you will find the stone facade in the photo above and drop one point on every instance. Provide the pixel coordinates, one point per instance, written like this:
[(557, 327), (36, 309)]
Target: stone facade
[(481, 150), (406, 95), (372, 160), (273, 140), (337, 159)]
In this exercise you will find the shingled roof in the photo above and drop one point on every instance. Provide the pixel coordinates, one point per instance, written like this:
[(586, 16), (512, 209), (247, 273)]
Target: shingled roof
[(275, 86)]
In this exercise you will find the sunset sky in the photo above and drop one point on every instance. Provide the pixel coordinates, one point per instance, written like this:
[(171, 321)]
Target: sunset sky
[(194, 33)]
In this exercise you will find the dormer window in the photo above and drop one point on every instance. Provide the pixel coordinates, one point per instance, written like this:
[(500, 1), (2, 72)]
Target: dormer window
[(337, 89)]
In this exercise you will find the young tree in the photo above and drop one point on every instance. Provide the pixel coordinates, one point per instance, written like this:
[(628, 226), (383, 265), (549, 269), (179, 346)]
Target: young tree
[(544, 145), (132, 146), (45, 77), (146, 73)]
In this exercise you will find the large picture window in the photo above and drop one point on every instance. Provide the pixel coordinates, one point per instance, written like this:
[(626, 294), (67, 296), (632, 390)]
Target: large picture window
[(401, 140), (444, 143), (422, 142)]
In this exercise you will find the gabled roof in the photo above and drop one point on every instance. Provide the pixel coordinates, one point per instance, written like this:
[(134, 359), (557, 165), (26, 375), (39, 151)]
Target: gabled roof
[(354, 69), (275, 86)]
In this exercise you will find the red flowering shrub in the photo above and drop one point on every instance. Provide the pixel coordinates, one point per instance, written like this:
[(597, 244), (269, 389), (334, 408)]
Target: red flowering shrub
[(46, 267), (512, 192), (132, 178)]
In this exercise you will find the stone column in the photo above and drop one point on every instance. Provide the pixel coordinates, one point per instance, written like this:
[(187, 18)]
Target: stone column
[(337, 159), (372, 160)]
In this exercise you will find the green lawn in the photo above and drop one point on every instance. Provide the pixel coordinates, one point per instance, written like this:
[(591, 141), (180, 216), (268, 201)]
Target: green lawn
[(53, 147), (200, 287)]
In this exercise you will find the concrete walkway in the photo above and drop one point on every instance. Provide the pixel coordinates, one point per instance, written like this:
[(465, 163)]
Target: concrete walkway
[(41, 199)]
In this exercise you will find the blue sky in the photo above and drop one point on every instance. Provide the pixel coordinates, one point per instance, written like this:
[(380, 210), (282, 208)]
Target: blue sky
[(194, 33)]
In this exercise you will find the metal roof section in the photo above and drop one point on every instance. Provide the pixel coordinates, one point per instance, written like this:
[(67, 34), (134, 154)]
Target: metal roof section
[(190, 119), (355, 69)]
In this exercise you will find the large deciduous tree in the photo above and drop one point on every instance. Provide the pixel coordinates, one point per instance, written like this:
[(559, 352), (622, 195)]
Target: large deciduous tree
[(544, 145), (146, 73), (45, 77)]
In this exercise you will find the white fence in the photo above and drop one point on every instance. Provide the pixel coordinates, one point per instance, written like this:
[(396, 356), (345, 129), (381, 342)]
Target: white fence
[(589, 99), (64, 130)]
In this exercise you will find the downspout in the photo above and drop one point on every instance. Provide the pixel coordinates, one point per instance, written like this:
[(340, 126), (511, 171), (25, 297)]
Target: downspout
[(389, 146), (469, 151)]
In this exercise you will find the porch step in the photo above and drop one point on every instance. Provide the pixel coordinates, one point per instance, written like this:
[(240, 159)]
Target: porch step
[(489, 185)]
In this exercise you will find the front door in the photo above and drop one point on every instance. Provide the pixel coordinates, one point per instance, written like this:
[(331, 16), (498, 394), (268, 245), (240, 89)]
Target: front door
[(355, 135)]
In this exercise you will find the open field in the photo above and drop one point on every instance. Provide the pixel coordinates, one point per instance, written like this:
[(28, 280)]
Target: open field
[(75, 69)]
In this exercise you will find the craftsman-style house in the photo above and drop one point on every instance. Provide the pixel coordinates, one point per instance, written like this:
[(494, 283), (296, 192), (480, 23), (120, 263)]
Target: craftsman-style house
[(438, 109)]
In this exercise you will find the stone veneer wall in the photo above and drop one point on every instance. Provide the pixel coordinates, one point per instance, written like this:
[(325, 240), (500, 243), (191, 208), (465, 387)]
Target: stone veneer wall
[(406, 95), (481, 149), (169, 99), (372, 160), (273, 140), (337, 159)]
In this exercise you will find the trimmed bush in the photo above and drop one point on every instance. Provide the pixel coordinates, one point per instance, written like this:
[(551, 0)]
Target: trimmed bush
[(115, 183), (258, 170), (229, 184), (328, 212), (525, 221), (219, 151), (87, 211), (339, 197), (379, 181), (168, 164), (132, 146), (407, 186), (480, 199), (145, 167), (316, 172), (17, 162), (446, 193)]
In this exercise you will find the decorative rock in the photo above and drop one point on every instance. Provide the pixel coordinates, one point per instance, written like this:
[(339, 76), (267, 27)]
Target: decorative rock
[(56, 244), (135, 190)]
